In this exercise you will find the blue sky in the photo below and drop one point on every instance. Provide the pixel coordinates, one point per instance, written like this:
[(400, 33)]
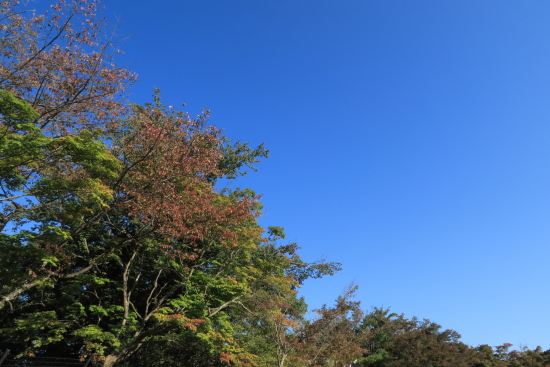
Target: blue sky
[(409, 140)]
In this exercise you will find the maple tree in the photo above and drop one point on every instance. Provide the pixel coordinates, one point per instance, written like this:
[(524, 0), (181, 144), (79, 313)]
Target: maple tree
[(61, 62), (273, 314), (277, 331), (45, 181), (116, 242), (105, 246), (270, 319), (53, 160), (162, 251)]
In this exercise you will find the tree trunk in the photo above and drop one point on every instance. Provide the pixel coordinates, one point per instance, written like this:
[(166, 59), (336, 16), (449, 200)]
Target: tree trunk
[(110, 361), (281, 361)]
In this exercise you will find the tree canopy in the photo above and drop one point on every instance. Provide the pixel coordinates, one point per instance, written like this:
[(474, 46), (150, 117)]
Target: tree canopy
[(116, 243)]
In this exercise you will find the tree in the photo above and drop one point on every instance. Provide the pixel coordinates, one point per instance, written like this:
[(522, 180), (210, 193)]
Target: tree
[(61, 62), (427, 346), (532, 358), (164, 252), (380, 327), (394, 341), (175, 350), (278, 333), (64, 175), (334, 335), (501, 356), (270, 320), (57, 65), (114, 235), (102, 241)]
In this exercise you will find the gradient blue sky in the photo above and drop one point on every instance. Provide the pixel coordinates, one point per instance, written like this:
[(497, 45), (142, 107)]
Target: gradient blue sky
[(409, 140)]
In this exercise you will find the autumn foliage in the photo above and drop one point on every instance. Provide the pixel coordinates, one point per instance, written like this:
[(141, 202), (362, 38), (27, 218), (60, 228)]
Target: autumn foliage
[(169, 160), (62, 63), (111, 219), (116, 242)]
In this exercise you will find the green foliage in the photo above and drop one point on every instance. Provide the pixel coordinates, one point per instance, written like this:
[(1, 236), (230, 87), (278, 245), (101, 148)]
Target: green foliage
[(42, 328), (114, 240), (16, 113), (175, 350), (391, 340), (237, 155), (100, 270), (108, 249)]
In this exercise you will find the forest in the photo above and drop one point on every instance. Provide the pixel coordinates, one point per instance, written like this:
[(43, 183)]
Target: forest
[(119, 243)]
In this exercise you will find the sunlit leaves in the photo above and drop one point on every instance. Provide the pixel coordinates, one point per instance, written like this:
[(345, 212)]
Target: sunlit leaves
[(61, 65), (170, 158)]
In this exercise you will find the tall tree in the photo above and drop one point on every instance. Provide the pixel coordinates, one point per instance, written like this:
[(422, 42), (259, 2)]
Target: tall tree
[(426, 345), (394, 341), (335, 334), (270, 320), (49, 186), (60, 65), (115, 236), (105, 245), (61, 62), (164, 251)]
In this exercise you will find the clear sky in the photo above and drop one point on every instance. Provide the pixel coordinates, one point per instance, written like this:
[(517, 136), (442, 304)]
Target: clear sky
[(409, 140)]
